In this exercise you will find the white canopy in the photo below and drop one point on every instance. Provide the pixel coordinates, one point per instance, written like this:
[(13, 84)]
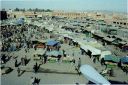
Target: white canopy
[(92, 75), (92, 49)]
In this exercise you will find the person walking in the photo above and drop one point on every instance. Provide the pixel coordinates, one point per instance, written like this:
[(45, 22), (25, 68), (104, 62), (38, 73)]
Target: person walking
[(79, 63), (94, 60), (59, 57), (22, 61), (18, 71), (102, 61), (35, 48), (25, 60), (126, 70), (78, 67), (36, 81), (34, 68), (25, 50), (16, 63), (63, 52), (111, 72), (73, 61), (45, 59)]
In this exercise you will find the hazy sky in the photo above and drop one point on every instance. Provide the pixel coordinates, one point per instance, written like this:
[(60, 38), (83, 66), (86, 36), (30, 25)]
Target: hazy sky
[(111, 5)]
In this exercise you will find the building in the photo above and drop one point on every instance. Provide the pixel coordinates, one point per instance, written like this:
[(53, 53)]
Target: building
[(3, 15), (69, 14)]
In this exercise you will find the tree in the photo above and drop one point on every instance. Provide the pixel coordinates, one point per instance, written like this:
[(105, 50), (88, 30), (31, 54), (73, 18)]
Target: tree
[(42, 10), (23, 10), (3, 9), (48, 10), (17, 9), (36, 10), (29, 9)]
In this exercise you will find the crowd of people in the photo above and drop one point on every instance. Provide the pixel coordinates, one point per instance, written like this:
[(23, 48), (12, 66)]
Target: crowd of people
[(16, 37), (12, 37)]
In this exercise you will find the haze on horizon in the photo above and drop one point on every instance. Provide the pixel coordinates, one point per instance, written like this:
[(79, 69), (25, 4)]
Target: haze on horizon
[(69, 5)]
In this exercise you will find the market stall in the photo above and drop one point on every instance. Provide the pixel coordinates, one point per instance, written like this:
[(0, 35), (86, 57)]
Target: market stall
[(124, 61), (111, 61), (39, 53)]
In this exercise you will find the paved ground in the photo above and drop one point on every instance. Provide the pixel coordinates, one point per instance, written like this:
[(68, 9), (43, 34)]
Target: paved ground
[(58, 73), (55, 73)]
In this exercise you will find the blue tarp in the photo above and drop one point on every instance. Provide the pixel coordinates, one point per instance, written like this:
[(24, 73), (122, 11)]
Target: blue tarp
[(20, 21), (124, 59), (52, 42)]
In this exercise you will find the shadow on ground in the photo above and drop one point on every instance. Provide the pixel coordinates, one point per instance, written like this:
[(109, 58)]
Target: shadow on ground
[(42, 70)]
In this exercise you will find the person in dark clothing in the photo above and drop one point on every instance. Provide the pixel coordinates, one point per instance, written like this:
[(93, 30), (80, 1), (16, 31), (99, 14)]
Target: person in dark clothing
[(25, 60), (36, 81), (25, 50), (63, 52), (111, 72), (34, 68), (35, 47), (94, 60), (22, 60), (36, 64), (45, 59), (18, 71), (79, 63), (73, 61), (59, 57), (102, 61), (16, 63), (125, 69), (3, 58)]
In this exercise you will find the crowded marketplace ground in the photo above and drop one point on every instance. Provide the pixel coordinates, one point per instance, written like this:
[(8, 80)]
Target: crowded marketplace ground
[(50, 54)]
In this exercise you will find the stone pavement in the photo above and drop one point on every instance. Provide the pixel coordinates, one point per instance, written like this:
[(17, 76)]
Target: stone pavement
[(55, 73)]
